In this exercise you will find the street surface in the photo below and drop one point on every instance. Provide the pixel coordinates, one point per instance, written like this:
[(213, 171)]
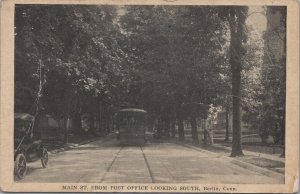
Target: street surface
[(104, 161)]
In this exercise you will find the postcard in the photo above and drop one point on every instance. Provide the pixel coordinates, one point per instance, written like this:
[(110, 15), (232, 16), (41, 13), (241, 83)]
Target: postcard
[(183, 96)]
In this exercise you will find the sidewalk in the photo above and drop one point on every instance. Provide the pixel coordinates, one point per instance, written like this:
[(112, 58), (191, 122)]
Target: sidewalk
[(269, 164), (54, 148), (275, 157), (270, 161)]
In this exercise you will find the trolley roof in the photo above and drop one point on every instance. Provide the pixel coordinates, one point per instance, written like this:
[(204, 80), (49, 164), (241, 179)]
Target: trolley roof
[(132, 110)]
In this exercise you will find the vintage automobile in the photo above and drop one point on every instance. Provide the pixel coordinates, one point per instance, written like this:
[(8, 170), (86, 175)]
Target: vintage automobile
[(27, 148)]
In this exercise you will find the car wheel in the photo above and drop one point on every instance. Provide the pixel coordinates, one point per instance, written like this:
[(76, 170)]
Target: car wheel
[(44, 158), (20, 167)]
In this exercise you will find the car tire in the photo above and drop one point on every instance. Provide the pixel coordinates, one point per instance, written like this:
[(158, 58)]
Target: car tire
[(44, 157), (20, 167)]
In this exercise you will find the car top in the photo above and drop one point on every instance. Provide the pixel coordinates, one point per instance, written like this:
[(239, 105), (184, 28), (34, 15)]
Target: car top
[(132, 110), (24, 116)]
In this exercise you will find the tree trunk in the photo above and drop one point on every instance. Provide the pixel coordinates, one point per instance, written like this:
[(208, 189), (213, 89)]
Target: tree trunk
[(227, 125), (92, 124), (284, 96), (236, 22), (158, 128), (108, 122), (167, 124), (236, 107), (67, 128), (101, 118), (205, 132), (282, 127), (180, 128), (195, 138), (172, 126), (39, 125), (77, 125), (104, 120)]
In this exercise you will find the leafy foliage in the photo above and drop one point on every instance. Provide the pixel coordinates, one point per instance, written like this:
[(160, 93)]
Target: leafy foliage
[(94, 59)]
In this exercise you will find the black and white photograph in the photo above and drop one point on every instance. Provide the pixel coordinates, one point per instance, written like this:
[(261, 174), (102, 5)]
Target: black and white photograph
[(149, 94)]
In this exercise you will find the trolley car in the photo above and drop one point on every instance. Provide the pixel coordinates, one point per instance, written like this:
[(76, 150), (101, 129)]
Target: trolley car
[(131, 126)]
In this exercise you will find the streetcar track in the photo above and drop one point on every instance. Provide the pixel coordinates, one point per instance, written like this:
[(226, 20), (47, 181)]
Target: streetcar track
[(110, 165), (85, 174), (148, 166), (192, 147)]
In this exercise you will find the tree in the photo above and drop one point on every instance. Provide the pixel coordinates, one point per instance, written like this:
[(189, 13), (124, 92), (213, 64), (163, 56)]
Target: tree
[(274, 72), (236, 17), (78, 50), (176, 55)]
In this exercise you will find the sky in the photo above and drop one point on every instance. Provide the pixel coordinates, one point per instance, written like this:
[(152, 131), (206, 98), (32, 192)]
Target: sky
[(257, 18)]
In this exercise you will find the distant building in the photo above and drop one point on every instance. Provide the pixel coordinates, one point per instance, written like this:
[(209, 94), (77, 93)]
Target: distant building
[(219, 123)]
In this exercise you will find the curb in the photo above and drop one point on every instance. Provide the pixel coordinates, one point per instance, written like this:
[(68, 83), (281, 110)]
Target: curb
[(197, 149), (254, 154), (258, 169), (237, 162)]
